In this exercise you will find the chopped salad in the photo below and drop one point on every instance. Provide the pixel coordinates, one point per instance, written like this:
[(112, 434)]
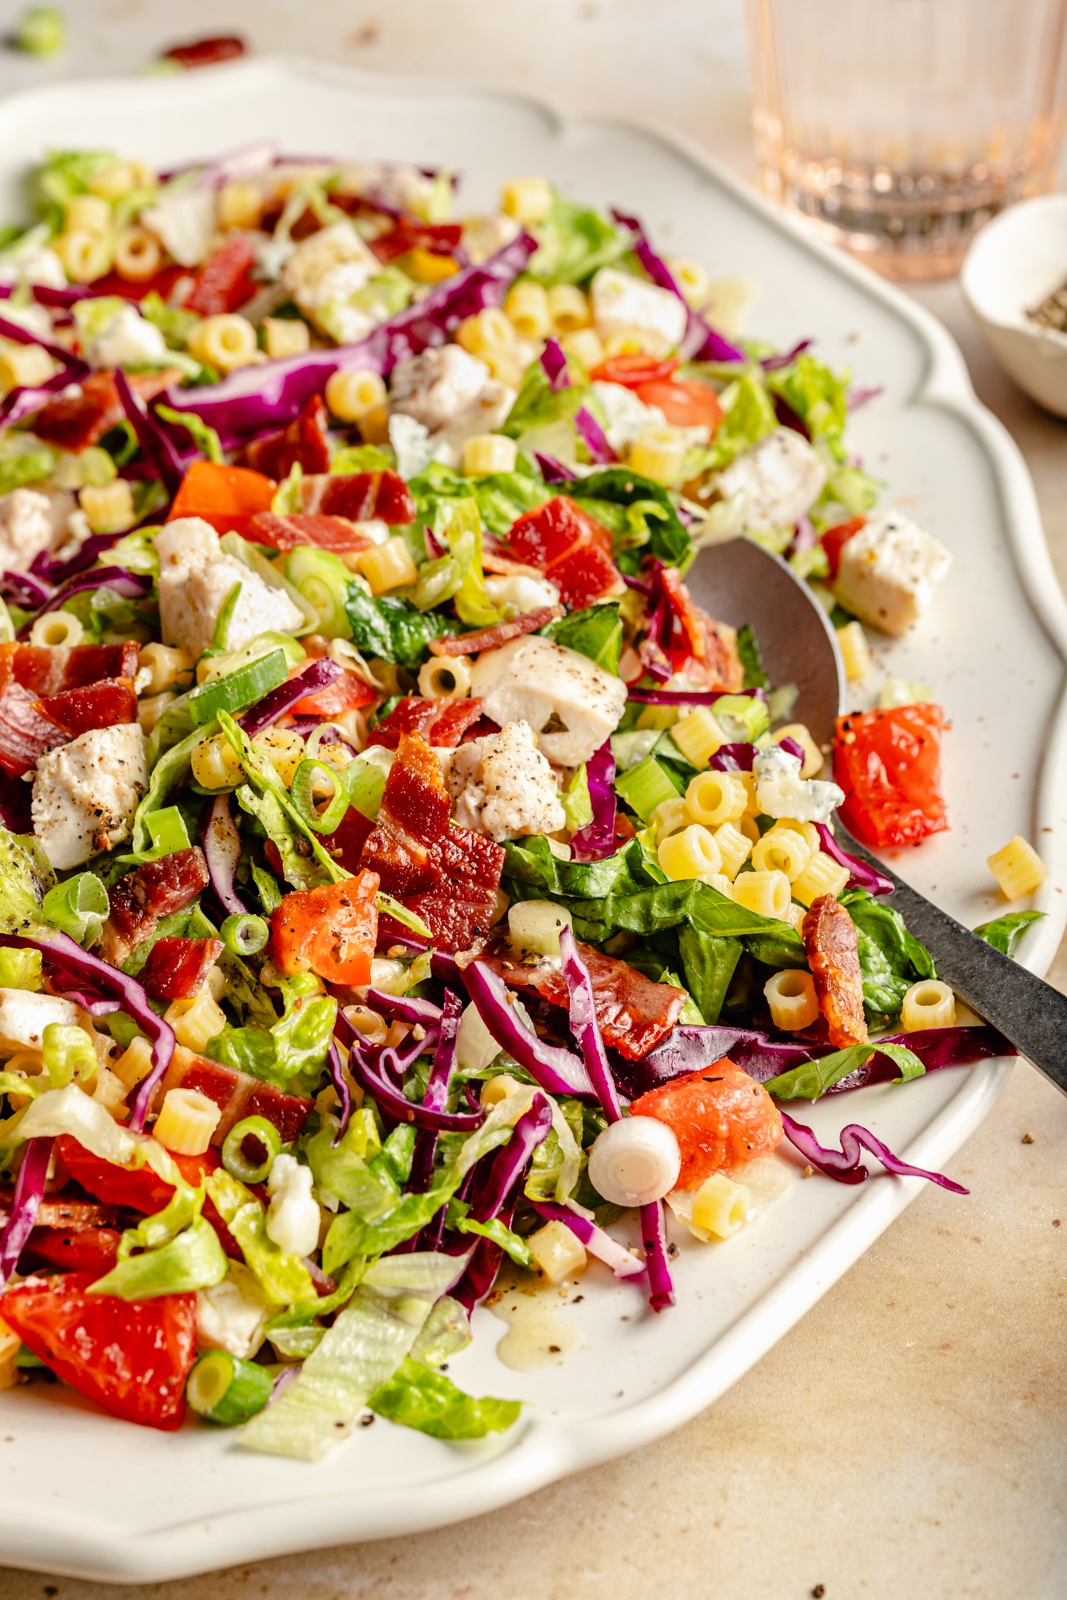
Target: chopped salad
[(401, 874)]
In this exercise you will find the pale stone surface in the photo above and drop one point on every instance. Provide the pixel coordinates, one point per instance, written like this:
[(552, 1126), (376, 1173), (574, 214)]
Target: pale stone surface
[(908, 1439)]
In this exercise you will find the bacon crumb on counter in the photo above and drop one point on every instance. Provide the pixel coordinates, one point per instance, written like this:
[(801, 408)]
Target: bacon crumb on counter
[(831, 941)]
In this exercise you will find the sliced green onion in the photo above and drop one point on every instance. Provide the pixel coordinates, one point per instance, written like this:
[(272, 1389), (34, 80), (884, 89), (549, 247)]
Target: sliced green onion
[(68, 1054), (224, 1389), (241, 688), (167, 831), (21, 969), (244, 934), (302, 793), (41, 31), (647, 786), (365, 782), (78, 907), (24, 1357), (324, 581), (221, 631), (742, 716), (233, 1156)]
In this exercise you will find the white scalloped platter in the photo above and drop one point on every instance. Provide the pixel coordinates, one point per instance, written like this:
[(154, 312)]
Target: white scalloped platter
[(85, 1495)]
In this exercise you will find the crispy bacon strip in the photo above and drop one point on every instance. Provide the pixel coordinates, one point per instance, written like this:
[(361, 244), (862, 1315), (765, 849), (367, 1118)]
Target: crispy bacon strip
[(141, 897), (830, 941), (75, 421), (285, 532), (236, 1094), (302, 443), (360, 496), (441, 723), (176, 968), (24, 733), (76, 1216), (634, 1013), (47, 671), (471, 644), (98, 705)]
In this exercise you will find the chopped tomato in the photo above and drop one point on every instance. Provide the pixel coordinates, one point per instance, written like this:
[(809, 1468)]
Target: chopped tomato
[(131, 1356), (71, 1250), (634, 369), (331, 931), (889, 765), (346, 693), (141, 1189), (834, 540), (685, 404), (226, 497), (225, 281), (720, 1116), (162, 283), (98, 705)]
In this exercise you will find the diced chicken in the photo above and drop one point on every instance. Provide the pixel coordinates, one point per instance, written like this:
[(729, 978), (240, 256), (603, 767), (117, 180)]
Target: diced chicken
[(517, 594), (411, 445), (127, 340), (195, 579), (233, 1314), (328, 268), (889, 571), (184, 223), (24, 1016), (570, 703), (782, 792), (30, 260), (436, 386), (484, 415), (624, 414), (778, 481), (483, 236), (86, 792), (293, 1215), (622, 303), (28, 525), (503, 786)]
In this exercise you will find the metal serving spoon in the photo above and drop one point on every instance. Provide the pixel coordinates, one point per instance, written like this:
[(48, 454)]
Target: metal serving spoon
[(740, 582)]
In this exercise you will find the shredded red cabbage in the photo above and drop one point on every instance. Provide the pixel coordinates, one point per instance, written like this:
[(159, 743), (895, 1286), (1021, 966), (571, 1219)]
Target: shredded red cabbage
[(310, 679), (552, 471), (130, 585), (221, 844), (790, 418), (57, 569), (46, 295), (510, 1163), (257, 400), (584, 1025), (737, 757), (654, 1239), (74, 367), (436, 1096), (690, 697), (552, 1068), (599, 1243), (25, 590), (846, 1164), (861, 876), (369, 1068), (596, 440), (785, 358), (554, 363), (29, 1192), (792, 748), (700, 342), (805, 537), (339, 1079), (597, 839), (405, 1007), (155, 443), (860, 397)]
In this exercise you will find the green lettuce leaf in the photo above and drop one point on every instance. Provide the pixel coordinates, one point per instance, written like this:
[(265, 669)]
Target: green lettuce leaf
[(814, 1078), (25, 879), (595, 632), (419, 1398), (392, 629), (891, 959), (575, 242), (1003, 932), (708, 961), (284, 1278), (291, 1053), (639, 513)]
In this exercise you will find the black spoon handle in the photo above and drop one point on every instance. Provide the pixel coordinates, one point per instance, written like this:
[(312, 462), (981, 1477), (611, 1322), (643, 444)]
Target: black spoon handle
[(1026, 1009)]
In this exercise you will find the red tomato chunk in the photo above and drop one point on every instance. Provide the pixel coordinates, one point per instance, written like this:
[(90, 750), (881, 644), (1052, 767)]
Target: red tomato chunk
[(889, 765)]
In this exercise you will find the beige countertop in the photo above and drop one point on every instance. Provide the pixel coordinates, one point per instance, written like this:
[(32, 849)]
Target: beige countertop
[(908, 1439)]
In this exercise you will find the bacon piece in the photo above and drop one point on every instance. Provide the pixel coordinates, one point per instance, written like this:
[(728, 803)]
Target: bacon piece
[(471, 644), (570, 547), (441, 723), (831, 942), (141, 897), (302, 443), (446, 874), (689, 616), (24, 733), (225, 281), (346, 841), (360, 496), (635, 1014), (321, 532), (236, 1094), (76, 1216), (99, 705), (48, 671), (177, 968), (439, 238), (73, 422), (206, 52)]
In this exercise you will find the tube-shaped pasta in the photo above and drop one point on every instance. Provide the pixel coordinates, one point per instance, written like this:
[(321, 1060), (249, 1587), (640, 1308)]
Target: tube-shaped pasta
[(557, 1252), (487, 453), (527, 199), (527, 308), (170, 666), (226, 341), (240, 204), (568, 308), (813, 756), (289, 336), (486, 330), (57, 629), (764, 892), (716, 797), (195, 1020), (719, 881), (855, 651), (214, 764), (734, 848), (690, 854), (821, 875), (670, 816), (583, 346), (698, 736), (85, 256), (387, 566), (445, 678), (108, 507), (283, 748), (24, 366), (658, 453), (1018, 868), (88, 213), (807, 830), (150, 707), (748, 826), (137, 255), (794, 915), (351, 395), (692, 279), (372, 1027), (791, 998), (782, 850), (186, 1122), (928, 1004), (721, 1206)]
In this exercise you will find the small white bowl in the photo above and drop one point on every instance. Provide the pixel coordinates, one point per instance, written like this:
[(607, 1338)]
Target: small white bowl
[(1016, 261)]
